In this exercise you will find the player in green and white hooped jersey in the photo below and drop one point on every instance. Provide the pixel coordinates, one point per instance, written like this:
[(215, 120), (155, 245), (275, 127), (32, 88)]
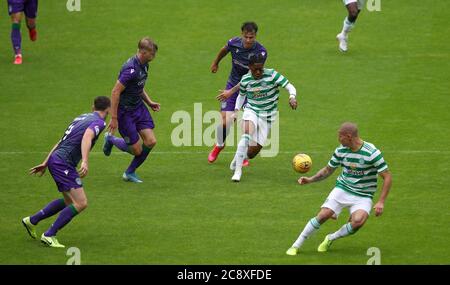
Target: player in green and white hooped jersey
[(361, 162), (260, 86)]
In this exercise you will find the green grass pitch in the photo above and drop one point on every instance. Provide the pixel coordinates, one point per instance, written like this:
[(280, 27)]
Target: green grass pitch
[(393, 82)]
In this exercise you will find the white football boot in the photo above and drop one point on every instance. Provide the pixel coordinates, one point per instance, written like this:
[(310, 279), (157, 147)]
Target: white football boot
[(237, 175), (342, 42)]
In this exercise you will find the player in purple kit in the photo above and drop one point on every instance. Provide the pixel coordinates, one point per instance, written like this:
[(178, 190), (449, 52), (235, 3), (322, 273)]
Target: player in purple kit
[(75, 145), (15, 9), (129, 113), (241, 48)]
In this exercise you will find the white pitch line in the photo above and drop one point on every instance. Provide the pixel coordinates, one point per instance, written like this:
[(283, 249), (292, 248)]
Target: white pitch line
[(229, 152)]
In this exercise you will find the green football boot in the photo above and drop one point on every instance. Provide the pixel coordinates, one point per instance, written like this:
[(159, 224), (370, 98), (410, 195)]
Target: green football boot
[(31, 229), (325, 245), (292, 251), (51, 241)]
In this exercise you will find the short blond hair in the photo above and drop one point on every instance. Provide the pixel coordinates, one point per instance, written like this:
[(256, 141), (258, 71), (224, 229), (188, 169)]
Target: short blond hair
[(148, 44)]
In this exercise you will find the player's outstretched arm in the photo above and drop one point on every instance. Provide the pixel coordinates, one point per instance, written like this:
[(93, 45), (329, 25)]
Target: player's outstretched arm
[(240, 100), (115, 97), (215, 64), (320, 175), (225, 94), (153, 105), (292, 95), (387, 182), (86, 144), (40, 169)]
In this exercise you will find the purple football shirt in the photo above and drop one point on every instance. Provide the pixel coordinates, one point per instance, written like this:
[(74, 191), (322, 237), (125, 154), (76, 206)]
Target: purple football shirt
[(241, 57), (69, 147), (133, 76)]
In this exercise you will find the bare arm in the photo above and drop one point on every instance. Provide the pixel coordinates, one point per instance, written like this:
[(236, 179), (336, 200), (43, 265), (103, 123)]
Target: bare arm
[(155, 106), (225, 94), (215, 64), (387, 182), (115, 97), (320, 175), (40, 169), (86, 144)]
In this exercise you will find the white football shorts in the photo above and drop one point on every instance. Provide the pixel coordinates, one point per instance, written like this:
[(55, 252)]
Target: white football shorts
[(360, 3), (339, 199), (262, 127)]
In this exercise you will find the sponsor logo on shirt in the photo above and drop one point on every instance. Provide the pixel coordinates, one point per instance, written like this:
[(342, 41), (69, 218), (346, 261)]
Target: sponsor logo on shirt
[(237, 62), (354, 171)]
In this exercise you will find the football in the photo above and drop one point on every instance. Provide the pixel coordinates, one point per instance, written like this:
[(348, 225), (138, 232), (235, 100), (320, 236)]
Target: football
[(302, 163)]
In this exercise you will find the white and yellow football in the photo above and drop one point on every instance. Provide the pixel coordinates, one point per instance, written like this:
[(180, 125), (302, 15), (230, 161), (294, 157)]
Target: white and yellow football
[(302, 163)]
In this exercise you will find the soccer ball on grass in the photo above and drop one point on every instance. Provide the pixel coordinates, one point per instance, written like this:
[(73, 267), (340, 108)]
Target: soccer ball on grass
[(302, 163)]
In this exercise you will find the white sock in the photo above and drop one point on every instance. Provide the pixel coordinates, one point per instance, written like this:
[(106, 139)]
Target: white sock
[(241, 152), (347, 27), (311, 227), (345, 230)]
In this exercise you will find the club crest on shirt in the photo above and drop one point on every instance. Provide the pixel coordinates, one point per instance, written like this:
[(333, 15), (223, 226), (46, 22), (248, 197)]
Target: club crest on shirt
[(354, 171)]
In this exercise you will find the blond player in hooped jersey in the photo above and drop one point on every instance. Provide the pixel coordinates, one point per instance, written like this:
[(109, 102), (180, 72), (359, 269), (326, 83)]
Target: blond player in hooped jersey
[(260, 87), (361, 164), (353, 8)]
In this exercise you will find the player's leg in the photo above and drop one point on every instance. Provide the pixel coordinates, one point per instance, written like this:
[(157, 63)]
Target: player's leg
[(312, 226), (136, 150), (222, 131), (127, 129), (79, 203), (260, 136), (49, 210), (144, 125), (30, 11), (248, 128), (253, 150), (15, 10), (227, 120), (360, 210), (56, 169), (223, 128), (110, 141), (141, 151), (358, 218), (349, 22), (69, 184)]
